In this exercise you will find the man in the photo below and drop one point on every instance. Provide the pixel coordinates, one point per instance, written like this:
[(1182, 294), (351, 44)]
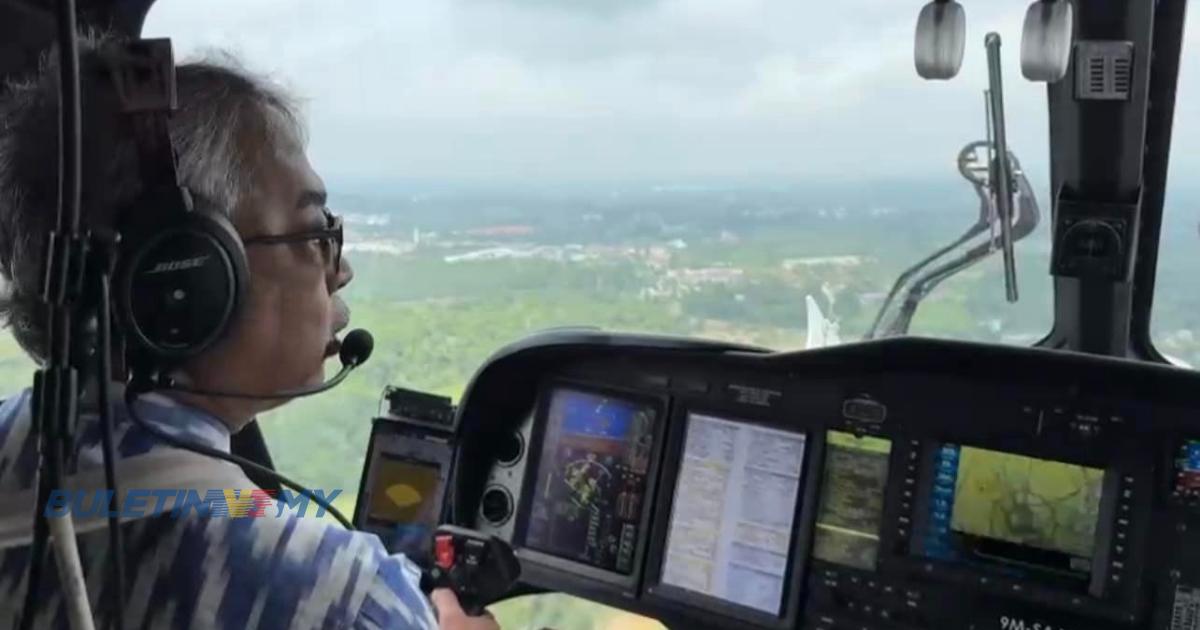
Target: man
[(240, 146)]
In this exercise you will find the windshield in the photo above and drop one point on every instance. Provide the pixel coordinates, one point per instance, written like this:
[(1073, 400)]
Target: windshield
[(1175, 322), (680, 167), (743, 170)]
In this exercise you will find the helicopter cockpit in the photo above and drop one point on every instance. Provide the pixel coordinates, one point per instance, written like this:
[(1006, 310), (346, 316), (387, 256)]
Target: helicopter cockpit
[(907, 458)]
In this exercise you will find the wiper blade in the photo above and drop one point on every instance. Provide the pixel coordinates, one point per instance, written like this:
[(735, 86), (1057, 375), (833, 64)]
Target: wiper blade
[(1002, 169)]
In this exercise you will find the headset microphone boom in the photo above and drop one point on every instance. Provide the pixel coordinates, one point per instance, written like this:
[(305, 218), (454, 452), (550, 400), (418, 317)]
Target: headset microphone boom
[(356, 349)]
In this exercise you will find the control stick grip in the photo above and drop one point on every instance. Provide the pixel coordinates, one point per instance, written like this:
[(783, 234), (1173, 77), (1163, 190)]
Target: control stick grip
[(480, 569)]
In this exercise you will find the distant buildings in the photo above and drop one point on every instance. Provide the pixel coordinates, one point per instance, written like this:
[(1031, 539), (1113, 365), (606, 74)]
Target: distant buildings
[(792, 264), (372, 220), (655, 256), (707, 275), (678, 282), (386, 246), (555, 253), (501, 231)]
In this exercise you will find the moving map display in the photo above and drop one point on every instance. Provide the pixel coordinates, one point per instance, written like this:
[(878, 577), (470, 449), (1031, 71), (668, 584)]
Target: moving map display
[(590, 487), (1025, 514), (404, 504), (851, 510), (732, 514)]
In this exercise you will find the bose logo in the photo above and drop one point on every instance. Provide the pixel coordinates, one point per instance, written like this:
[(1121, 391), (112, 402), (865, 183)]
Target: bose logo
[(179, 265), (1012, 623)]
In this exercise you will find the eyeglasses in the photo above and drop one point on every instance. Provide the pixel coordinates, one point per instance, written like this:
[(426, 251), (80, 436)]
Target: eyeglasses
[(331, 240)]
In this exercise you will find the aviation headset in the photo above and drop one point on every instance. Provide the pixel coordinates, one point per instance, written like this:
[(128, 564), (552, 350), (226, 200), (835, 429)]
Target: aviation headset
[(181, 267)]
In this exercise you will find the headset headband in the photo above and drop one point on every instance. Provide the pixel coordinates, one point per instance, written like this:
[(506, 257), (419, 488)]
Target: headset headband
[(181, 272)]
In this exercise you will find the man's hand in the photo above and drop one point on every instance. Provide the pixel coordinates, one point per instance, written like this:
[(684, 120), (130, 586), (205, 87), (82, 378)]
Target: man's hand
[(451, 616)]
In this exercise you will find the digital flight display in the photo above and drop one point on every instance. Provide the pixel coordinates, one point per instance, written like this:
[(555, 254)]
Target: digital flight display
[(1187, 471), (590, 489), (851, 510), (1025, 516), (404, 504), (732, 516)]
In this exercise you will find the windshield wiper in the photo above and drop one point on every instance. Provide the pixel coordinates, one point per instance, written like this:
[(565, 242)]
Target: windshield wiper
[(1027, 217), (993, 179), (1001, 168), (970, 167)]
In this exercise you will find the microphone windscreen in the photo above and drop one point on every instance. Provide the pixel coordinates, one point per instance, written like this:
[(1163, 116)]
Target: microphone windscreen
[(357, 346)]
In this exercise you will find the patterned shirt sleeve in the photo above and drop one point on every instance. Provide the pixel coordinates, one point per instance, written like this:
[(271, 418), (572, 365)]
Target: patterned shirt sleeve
[(323, 576), (392, 599), (273, 569)]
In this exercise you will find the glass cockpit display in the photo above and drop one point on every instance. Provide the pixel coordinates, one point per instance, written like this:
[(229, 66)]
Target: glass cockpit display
[(591, 482), (1026, 516), (851, 508), (403, 504), (1187, 471), (733, 511)]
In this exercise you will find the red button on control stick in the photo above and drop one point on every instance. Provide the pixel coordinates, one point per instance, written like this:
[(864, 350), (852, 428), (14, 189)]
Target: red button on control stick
[(444, 551)]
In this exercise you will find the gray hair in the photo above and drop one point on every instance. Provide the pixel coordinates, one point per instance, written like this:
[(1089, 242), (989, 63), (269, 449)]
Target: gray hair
[(227, 122)]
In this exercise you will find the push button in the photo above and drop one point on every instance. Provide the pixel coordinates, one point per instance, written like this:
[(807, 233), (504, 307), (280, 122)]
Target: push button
[(474, 552), (444, 552)]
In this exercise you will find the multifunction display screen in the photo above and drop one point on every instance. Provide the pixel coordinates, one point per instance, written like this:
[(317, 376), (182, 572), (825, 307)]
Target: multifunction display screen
[(404, 503), (1187, 471), (1023, 515), (590, 489), (732, 516), (851, 510)]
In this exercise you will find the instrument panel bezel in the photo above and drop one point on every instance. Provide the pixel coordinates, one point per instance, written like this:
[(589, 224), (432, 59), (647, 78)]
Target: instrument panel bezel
[(660, 403), (976, 394)]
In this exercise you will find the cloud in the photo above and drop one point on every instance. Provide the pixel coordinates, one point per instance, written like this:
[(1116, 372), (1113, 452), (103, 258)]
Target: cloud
[(611, 89), (593, 8)]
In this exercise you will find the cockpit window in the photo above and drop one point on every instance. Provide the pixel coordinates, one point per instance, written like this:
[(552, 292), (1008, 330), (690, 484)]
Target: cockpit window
[(748, 170), (1175, 322), (752, 171)]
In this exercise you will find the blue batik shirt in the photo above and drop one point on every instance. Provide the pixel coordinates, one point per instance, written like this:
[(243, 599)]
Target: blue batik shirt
[(191, 568)]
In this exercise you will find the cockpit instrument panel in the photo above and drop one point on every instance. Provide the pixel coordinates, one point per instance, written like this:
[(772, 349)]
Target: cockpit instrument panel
[(899, 484), (1030, 519), (733, 512), (726, 534), (850, 515), (587, 499)]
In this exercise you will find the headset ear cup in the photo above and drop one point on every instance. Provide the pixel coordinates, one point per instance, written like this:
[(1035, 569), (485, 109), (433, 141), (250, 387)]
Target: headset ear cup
[(179, 285)]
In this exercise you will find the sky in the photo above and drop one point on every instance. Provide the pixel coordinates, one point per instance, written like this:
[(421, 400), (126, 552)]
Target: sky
[(616, 90)]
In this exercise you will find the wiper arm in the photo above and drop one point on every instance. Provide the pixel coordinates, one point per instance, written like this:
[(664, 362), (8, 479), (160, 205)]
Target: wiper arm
[(972, 170), (911, 272), (1027, 218)]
